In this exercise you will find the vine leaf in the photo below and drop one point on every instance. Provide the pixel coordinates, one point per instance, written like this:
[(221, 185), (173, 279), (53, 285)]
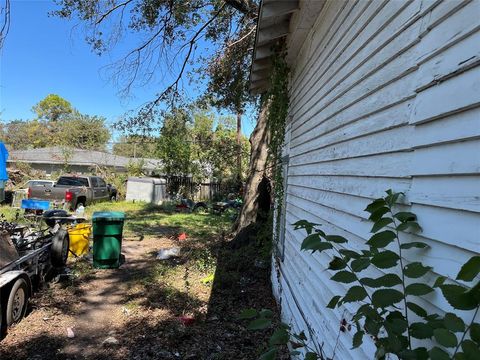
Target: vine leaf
[(358, 339), (311, 356), (333, 302), (355, 293), (336, 239), (314, 243), (415, 270), (417, 309), (458, 297), (310, 241), (266, 313), (380, 224), (387, 280), (396, 324), (337, 264), (470, 269), (344, 277), (412, 225), (418, 289), (445, 337), (385, 259), (304, 224), (470, 349), (269, 355), (453, 323), (386, 297), (279, 337), (440, 280), (375, 205), (392, 197), (248, 314), (382, 239), (405, 216), (259, 324), (475, 332), (360, 264), (378, 213), (438, 354), (414, 244), (420, 330)]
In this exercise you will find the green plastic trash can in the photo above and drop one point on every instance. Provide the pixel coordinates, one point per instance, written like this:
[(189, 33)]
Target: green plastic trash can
[(107, 239)]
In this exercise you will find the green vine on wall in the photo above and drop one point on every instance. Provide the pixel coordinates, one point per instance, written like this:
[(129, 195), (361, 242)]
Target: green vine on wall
[(278, 101)]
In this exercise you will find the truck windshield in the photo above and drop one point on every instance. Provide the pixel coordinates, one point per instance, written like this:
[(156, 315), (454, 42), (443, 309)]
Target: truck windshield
[(72, 181)]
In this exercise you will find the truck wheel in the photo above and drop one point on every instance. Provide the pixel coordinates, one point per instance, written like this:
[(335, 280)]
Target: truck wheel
[(59, 249), (17, 302)]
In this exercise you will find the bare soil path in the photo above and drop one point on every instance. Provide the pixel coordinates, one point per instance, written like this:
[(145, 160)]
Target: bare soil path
[(147, 309)]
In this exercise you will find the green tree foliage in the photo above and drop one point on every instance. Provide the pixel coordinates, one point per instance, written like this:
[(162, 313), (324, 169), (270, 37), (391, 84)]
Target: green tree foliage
[(195, 142), (52, 108), (136, 146), (174, 146), (57, 124), (83, 132)]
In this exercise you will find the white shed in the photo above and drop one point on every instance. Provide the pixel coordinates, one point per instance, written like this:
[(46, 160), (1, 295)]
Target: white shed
[(150, 190), (383, 94)]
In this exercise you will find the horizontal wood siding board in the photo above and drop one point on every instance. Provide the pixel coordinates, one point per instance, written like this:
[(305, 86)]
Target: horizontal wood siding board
[(391, 117), (382, 64), (384, 94), (381, 98), (376, 16), (439, 101), (459, 192), (383, 142), (317, 55), (366, 187), (447, 62)]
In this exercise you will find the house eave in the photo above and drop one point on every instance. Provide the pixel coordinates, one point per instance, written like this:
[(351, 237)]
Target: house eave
[(280, 19)]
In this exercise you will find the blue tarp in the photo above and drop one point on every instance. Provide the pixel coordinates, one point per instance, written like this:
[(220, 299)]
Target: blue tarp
[(3, 162)]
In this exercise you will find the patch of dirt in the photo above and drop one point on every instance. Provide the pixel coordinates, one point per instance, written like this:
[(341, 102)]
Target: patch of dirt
[(149, 309)]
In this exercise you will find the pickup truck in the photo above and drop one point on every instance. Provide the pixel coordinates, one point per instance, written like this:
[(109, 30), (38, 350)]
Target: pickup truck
[(73, 191)]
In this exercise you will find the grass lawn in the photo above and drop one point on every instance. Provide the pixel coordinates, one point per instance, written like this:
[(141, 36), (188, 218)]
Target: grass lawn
[(145, 220), (148, 300)]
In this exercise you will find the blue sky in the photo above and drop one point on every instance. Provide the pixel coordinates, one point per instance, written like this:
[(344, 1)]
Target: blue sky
[(44, 55)]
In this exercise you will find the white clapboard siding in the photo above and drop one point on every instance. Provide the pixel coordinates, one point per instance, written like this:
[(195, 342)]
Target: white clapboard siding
[(383, 95)]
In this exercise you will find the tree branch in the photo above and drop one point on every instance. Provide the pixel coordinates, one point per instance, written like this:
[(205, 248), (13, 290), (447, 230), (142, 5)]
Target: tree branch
[(5, 13), (191, 43), (106, 14), (242, 38)]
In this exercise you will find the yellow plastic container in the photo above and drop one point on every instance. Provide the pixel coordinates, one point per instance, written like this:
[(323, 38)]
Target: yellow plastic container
[(79, 238)]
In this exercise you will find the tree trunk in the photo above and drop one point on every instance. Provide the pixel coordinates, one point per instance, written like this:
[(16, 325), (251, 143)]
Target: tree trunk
[(239, 147), (257, 172)]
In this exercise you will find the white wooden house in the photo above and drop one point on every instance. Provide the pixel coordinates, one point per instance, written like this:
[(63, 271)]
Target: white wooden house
[(383, 94)]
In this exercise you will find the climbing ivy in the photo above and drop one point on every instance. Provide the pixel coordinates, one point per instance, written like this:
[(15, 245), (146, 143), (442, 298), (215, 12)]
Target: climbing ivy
[(278, 101), (389, 308)]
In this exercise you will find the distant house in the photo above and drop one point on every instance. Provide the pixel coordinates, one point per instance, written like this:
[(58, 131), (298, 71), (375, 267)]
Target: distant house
[(383, 94), (54, 159)]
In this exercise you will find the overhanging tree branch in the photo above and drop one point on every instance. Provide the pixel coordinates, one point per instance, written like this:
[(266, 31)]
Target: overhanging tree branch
[(5, 20)]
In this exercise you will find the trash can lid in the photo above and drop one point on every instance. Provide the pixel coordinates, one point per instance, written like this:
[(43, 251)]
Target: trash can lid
[(108, 216)]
